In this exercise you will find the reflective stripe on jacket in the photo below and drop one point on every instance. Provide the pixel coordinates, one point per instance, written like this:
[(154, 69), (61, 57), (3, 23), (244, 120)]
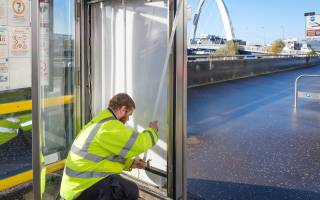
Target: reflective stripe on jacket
[(104, 146)]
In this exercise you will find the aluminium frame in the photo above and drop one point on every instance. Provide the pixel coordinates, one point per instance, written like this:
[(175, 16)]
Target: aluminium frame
[(176, 187), (176, 169)]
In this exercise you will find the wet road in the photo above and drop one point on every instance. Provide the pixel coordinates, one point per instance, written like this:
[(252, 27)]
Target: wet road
[(250, 144), (16, 156)]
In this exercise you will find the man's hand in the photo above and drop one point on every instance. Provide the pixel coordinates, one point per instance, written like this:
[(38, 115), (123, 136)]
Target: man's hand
[(138, 164), (154, 125)]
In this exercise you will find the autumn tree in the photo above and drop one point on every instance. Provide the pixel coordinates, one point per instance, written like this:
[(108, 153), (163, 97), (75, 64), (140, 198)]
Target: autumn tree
[(277, 46), (229, 49)]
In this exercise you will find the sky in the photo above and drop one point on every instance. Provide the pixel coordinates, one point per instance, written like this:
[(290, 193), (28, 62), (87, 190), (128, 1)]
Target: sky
[(64, 16), (256, 21)]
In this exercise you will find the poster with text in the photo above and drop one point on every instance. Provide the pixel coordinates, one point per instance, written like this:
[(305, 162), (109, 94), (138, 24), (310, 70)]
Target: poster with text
[(44, 14), (4, 42), (44, 55), (20, 42), (3, 12), (44, 71), (4, 75), (44, 42), (19, 12)]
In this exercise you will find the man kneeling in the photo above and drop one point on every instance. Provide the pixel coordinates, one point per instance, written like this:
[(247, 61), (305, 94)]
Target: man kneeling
[(102, 150)]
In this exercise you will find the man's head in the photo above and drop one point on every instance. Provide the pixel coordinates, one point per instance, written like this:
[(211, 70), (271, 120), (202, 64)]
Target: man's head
[(122, 106)]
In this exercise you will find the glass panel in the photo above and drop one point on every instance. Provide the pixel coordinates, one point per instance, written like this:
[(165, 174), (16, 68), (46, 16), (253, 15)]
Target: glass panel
[(56, 66), (124, 61), (246, 137), (15, 89), (56, 58)]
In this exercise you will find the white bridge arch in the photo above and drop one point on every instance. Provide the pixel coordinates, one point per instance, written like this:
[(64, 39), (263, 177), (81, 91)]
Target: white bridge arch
[(227, 24)]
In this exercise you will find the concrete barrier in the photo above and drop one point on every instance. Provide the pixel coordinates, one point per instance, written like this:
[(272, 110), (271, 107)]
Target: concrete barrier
[(213, 71)]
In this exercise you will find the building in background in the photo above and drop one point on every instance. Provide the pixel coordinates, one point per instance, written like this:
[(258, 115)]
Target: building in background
[(312, 25), (312, 32)]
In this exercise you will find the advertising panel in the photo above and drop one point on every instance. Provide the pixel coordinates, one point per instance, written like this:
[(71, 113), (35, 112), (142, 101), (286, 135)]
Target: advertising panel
[(313, 26), (19, 13), (3, 12), (4, 75), (4, 49), (20, 42)]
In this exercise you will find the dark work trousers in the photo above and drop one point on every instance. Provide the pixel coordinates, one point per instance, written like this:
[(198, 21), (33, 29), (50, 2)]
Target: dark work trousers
[(114, 187)]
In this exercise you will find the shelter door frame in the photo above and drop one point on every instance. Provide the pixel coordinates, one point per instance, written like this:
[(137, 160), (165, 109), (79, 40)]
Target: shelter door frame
[(177, 67)]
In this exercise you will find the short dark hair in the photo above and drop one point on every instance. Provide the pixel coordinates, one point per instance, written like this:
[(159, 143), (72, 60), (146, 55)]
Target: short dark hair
[(121, 99)]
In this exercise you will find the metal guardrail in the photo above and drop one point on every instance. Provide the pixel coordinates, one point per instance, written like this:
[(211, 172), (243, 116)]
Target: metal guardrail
[(296, 87), (246, 57)]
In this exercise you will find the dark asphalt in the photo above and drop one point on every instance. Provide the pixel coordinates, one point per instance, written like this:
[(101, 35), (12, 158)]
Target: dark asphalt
[(16, 156), (253, 146)]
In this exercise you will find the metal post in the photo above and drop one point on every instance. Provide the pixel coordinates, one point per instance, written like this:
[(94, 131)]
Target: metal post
[(296, 92), (180, 107), (170, 139), (296, 88), (35, 101), (86, 68)]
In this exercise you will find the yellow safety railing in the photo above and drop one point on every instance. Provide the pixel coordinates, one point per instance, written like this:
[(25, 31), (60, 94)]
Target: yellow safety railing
[(27, 176), (20, 106), (16, 180)]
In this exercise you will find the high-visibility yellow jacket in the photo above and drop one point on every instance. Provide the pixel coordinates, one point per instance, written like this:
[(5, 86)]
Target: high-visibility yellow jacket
[(104, 146)]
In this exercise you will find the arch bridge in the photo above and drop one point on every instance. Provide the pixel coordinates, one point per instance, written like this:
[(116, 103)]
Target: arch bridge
[(227, 24)]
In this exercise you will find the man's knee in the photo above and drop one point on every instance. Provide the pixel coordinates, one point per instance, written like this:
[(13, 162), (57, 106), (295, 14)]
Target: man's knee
[(132, 190)]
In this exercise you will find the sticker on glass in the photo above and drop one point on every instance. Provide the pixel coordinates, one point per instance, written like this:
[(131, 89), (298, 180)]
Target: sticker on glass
[(19, 14)]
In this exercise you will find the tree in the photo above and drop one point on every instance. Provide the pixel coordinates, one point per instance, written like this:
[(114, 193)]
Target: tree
[(229, 49), (312, 52), (277, 46)]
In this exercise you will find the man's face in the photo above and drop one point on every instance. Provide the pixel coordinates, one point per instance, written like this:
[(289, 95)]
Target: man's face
[(125, 114)]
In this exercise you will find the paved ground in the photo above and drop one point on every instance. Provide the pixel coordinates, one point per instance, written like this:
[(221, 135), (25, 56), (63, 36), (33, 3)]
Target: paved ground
[(16, 156), (250, 144)]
